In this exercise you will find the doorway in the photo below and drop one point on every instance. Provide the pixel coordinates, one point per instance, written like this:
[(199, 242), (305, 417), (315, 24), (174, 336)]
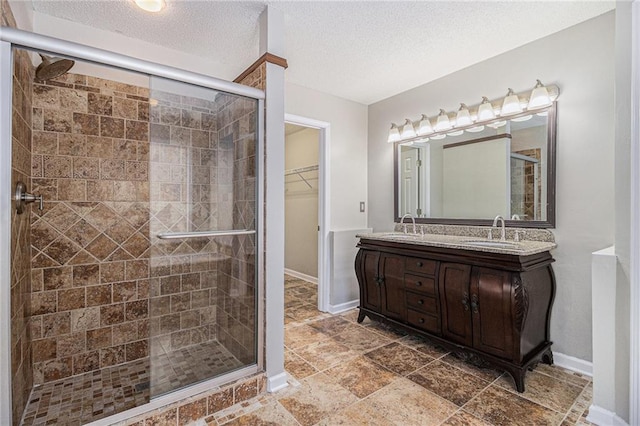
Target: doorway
[(301, 202), (318, 132)]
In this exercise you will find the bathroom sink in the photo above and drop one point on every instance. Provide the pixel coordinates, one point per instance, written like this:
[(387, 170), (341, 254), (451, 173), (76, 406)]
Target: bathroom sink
[(490, 243)]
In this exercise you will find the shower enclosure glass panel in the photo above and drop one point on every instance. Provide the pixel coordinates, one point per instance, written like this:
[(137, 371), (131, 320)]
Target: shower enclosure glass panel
[(138, 276), (202, 174)]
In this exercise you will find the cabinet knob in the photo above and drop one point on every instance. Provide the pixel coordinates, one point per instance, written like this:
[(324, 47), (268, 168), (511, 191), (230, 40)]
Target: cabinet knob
[(475, 303), (465, 301), (419, 264), (420, 302), (419, 284), (421, 320)]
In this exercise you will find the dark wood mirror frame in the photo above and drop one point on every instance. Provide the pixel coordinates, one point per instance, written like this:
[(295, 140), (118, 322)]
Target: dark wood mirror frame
[(550, 221)]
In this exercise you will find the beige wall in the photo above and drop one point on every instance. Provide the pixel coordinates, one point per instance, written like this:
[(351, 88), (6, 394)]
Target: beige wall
[(301, 203), (347, 163), (623, 122), (475, 179), (580, 60)]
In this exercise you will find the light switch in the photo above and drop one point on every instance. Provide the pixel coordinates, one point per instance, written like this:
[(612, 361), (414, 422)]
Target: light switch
[(361, 206)]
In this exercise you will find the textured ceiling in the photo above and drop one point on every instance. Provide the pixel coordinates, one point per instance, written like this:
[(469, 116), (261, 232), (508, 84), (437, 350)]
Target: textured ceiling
[(359, 50)]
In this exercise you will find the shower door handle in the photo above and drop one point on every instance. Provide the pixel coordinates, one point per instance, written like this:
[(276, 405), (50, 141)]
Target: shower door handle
[(203, 234), (22, 198)]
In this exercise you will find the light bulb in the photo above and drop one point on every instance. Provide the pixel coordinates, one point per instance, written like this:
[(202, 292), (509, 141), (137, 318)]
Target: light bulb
[(455, 133), (475, 129), (424, 128), (485, 110), (151, 5), (438, 137), (463, 118), (394, 134), (523, 118), (511, 104), (408, 131), (443, 122), (539, 97)]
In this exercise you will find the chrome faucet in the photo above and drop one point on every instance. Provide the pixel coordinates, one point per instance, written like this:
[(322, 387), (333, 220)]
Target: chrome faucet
[(404, 226), (502, 229)]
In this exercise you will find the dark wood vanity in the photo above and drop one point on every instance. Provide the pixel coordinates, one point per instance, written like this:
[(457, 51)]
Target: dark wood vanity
[(488, 308)]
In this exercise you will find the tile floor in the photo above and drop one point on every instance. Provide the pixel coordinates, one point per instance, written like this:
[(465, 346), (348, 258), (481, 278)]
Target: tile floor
[(345, 373), (91, 396)]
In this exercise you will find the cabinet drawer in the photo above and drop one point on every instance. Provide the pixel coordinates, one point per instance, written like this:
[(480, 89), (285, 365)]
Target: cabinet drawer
[(422, 266), (421, 284), (422, 303), (423, 321)]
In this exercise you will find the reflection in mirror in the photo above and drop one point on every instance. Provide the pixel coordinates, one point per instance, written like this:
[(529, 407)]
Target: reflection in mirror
[(503, 168)]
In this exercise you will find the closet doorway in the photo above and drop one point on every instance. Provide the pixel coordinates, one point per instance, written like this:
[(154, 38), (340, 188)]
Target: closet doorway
[(306, 207)]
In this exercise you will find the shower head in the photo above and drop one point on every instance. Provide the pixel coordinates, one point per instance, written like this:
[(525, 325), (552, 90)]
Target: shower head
[(52, 67)]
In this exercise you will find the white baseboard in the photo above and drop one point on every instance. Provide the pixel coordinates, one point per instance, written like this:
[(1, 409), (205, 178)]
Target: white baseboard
[(572, 363), (336, 309), (302, 276), (277, 382), (602, 417)]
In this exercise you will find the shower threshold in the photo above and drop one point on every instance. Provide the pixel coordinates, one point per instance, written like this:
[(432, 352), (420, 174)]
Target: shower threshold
[(91, 396)]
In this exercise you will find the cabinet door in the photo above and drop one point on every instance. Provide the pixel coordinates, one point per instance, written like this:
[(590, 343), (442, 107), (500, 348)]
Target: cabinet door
[(453, 282), (370, 281), (393, 300), (491, 311)]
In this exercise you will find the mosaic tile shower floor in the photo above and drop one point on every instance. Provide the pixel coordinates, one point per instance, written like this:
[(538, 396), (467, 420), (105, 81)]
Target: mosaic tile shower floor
[(91, 396), (345, 373)]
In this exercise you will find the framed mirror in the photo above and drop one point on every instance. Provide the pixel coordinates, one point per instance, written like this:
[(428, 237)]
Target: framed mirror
[(506, 167)]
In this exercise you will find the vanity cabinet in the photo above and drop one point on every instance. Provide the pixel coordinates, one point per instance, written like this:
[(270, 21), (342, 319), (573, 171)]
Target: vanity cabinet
[(384, 280), (489, 308)]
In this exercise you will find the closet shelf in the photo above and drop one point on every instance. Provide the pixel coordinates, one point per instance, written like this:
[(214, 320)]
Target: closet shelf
[(300, 170)]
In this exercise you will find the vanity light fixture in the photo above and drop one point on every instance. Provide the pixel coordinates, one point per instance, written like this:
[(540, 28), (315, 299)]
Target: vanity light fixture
[(497, 124), (523, 118), (151, 5), (463, 118), (511, 104), (539, 97), (394, 134), (485, 110), (408, 131), (478, 117), (443, 122), (424, 128)]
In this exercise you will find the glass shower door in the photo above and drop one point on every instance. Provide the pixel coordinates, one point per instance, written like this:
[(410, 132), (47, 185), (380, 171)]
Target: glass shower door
[(202, 171)]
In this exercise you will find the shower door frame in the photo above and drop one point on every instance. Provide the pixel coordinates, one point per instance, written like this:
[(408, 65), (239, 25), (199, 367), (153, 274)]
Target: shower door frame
[(12, 38)]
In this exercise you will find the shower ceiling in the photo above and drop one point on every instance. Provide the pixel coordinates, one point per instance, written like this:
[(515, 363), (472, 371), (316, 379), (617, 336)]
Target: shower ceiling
[(359, 50)]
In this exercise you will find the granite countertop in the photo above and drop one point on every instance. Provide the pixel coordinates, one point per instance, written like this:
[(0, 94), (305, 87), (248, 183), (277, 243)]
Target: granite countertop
[(465, 242)]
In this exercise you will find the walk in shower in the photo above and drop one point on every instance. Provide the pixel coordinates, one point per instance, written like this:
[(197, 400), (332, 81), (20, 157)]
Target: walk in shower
[(135, 271)]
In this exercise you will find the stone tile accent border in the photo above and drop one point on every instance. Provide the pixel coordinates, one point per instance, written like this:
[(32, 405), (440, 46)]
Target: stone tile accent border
[(203, 405)]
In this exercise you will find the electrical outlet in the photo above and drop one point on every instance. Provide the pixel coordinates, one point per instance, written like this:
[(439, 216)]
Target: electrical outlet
[(361, 206)]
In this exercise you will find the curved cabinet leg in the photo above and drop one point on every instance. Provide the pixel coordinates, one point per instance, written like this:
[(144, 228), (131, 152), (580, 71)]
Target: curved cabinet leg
[(518, 377), (361, 316), (547, 357)]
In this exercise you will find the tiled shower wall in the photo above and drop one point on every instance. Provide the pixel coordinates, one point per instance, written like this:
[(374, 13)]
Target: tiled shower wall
[(102, 278), (188, 171), (90, 246), (237, 279), (21, 373)]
